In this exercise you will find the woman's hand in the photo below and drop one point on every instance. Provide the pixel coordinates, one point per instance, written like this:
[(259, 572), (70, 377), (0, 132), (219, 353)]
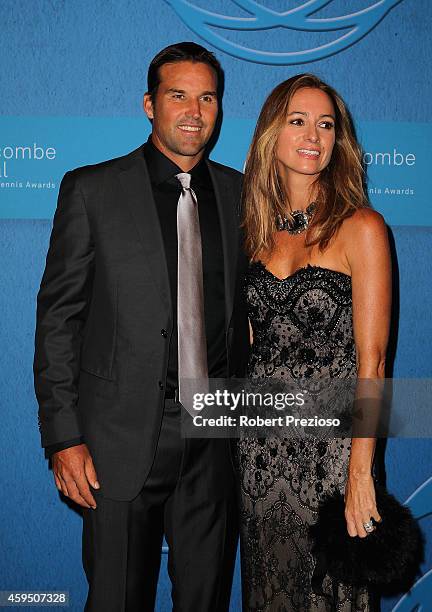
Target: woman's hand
[(360, 504)]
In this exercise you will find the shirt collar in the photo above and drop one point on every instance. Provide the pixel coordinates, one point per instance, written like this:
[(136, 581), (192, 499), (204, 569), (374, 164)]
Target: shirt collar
[(162, 169)]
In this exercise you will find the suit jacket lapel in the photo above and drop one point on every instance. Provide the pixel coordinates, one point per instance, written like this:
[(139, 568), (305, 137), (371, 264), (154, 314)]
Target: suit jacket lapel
[(136, 183), (229, 230)]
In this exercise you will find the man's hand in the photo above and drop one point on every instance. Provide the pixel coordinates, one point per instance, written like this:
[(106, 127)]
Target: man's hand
[(73, 473)]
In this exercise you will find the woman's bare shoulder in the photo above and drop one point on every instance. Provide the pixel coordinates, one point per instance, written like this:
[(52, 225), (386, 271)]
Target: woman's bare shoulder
[(364, 219), (364, 224)]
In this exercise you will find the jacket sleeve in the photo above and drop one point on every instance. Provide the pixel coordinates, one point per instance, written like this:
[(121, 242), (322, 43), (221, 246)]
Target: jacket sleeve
[(62, 307), (55, 448)]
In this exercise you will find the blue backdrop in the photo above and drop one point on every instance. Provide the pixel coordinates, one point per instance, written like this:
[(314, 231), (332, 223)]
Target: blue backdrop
[(71, 83)]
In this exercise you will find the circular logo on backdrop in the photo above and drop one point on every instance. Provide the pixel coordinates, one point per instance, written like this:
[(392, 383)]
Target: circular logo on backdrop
[(346, 29)]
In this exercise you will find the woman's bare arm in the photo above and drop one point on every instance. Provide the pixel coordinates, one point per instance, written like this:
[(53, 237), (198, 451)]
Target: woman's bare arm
[(368, 255)]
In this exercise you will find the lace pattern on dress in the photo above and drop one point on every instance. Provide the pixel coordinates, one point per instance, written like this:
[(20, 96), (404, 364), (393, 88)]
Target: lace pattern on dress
[(302, 329)]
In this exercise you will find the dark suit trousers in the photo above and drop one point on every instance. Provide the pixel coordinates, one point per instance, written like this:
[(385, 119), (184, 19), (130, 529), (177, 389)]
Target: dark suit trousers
[(190, 497)]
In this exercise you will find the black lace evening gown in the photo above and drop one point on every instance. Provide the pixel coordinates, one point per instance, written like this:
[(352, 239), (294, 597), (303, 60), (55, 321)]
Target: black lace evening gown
[(302, 328)]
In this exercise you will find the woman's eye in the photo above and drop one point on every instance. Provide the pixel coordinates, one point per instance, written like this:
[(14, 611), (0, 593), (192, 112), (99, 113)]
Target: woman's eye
[(328, 125), (296, 122)]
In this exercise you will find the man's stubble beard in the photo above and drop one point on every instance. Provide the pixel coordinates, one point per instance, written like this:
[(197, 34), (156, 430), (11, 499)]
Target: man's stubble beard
[(186, 150)]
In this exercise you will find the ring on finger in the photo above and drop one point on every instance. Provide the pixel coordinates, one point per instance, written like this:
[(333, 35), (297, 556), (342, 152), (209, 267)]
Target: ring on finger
[(369, 526)]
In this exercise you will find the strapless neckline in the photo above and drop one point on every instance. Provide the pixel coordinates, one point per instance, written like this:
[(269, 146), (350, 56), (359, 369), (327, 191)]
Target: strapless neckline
[(299, 271)]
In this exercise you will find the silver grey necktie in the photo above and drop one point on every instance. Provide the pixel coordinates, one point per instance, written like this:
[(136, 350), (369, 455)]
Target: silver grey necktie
[(192, 345)]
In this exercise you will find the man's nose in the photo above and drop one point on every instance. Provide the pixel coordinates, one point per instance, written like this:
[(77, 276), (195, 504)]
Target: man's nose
[(194, 108)]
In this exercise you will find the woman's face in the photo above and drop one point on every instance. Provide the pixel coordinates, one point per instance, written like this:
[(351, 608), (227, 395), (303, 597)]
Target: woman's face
[(306, 142)]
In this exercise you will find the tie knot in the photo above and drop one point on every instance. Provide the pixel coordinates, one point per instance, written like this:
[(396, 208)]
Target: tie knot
[(185, 179)]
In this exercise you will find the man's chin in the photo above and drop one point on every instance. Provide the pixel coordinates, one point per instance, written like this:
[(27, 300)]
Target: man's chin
[(191, 151)]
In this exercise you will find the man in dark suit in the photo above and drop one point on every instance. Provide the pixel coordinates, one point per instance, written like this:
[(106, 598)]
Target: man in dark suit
[(107, 350)]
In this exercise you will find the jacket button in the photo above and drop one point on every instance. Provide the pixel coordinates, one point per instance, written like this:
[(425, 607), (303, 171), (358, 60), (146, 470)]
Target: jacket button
[(164, 333), (160, 383)]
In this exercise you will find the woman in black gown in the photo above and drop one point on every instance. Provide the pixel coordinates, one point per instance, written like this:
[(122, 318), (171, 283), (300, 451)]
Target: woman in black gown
[(319, 292)]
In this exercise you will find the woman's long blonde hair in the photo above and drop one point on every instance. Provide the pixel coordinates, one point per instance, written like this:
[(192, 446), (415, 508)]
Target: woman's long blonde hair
[(340, 186)]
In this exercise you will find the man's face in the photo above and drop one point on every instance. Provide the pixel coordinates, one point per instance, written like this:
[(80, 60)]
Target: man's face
[(184, 111)]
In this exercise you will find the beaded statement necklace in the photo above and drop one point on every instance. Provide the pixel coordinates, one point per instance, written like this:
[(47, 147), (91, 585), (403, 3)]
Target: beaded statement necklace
[(298, 222)]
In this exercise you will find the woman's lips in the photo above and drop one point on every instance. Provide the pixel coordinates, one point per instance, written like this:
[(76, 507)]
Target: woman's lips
[(309, 153)]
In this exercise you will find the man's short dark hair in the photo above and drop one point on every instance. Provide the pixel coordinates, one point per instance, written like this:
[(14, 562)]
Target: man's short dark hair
[(180, 52)]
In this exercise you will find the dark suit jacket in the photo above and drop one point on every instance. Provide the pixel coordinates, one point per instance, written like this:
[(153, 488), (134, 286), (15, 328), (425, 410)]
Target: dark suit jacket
[(104, 316)]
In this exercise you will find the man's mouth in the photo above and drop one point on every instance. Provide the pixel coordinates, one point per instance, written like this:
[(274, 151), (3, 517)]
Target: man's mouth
[(189, 128)]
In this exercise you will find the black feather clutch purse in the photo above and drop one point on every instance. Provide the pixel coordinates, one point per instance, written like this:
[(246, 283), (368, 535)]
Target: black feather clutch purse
[(388, 558)]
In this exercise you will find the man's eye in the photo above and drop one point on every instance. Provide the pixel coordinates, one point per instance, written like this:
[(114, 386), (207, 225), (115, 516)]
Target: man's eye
[(178, 96), (208, 99)]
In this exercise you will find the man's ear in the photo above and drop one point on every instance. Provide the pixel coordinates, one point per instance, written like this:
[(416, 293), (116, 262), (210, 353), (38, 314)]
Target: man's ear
[(148, 106)]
